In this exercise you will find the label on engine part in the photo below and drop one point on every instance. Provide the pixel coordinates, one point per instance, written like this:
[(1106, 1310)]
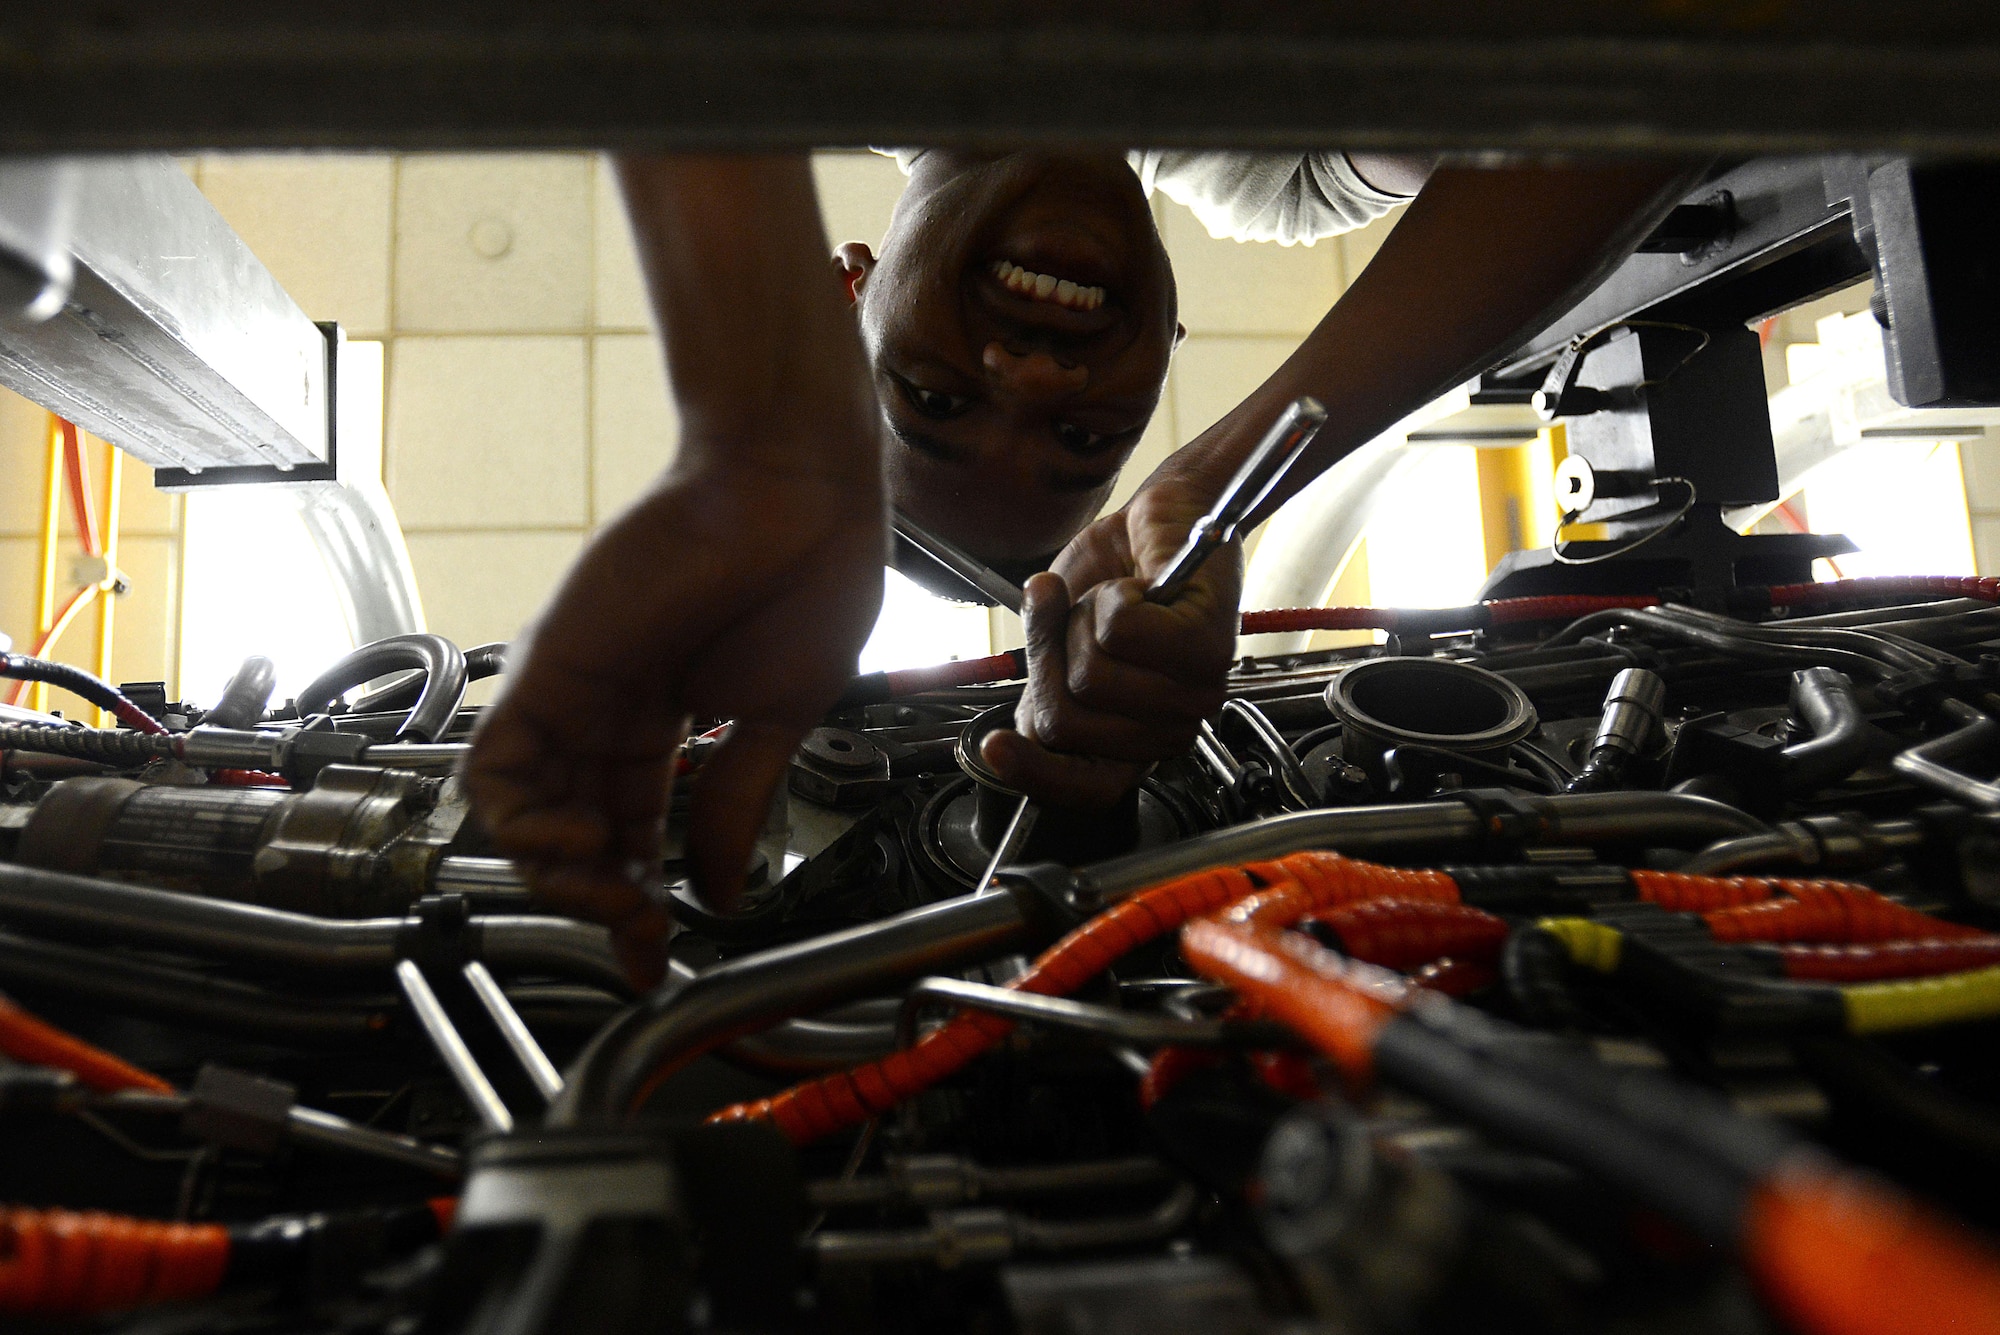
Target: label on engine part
[(207, 832)]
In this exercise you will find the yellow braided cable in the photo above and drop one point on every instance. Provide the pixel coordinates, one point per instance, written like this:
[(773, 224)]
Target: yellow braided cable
[(1917, 1003), (1590, 944)]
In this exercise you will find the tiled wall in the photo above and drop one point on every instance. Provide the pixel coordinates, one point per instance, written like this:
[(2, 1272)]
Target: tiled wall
[(525, 400)]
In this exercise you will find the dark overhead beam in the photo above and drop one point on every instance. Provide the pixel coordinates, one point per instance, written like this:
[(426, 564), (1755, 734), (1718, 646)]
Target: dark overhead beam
[(1712, 75)]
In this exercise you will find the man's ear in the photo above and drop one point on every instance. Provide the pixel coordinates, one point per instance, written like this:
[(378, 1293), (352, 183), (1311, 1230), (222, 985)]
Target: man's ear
[(855, 262)]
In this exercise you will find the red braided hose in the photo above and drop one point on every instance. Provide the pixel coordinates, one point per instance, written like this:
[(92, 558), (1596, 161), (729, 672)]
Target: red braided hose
[(1405, 934), (1830, 912), (1456, 977), (1887, 589), (58, 1263), (1678, 892), (1889, 959), (1432, 620)]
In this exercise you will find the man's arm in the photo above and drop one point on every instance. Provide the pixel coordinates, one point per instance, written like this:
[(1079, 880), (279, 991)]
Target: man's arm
[(741, 586), (1483, 258)]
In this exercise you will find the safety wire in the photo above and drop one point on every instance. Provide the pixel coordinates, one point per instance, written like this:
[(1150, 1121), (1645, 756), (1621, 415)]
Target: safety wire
[(1558, 549)]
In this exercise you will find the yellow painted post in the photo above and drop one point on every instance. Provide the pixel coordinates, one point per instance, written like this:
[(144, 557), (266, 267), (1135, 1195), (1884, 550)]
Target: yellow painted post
[(1516, 499), (107, 600), (45, 592)]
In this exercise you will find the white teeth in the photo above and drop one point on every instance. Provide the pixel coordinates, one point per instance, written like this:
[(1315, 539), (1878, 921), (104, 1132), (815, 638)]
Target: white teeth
[(1046, 287)]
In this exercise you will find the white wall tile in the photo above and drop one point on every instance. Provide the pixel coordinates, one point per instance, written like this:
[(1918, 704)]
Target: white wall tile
[(479, 587), (24, 429), (142, 627), (1981, 460), (634, 427), (493, 242), (620, 288), (1986, 544), (487, 432), (1212, 375), (19, 576), (319, 222), (857, 193), (1238, 287), (144, 510)]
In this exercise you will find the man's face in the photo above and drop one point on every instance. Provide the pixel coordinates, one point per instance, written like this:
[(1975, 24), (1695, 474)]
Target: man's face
[(1019, 322)]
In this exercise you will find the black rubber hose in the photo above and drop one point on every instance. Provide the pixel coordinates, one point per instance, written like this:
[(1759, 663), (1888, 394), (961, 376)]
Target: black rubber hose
[(481, 661), (107, 746), (437, 704), (1824, 701)]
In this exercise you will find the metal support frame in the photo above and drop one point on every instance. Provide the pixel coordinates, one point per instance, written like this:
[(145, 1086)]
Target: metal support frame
[(1730, 77)]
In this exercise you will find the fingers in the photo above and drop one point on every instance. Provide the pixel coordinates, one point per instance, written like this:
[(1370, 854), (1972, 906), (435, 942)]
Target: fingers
[(732, 798), (1087, 782), (616, 896), (1052, 715)]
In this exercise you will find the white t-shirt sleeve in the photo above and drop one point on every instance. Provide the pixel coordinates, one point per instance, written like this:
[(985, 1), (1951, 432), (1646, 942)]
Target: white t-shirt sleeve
[(1293, 199), (1289, 198)]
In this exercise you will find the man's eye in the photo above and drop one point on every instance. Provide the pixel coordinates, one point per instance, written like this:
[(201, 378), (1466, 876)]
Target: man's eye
[(934, 404), (1077, 440)]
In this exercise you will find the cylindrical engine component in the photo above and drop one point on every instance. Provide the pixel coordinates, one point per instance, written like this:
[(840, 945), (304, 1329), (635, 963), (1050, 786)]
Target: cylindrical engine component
[(1432, 702), (1060, 834), (1632, 712), (333, 850)]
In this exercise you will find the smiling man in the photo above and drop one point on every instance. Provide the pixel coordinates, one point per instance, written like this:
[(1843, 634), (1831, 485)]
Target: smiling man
[(1021, 315), (1000, 405)]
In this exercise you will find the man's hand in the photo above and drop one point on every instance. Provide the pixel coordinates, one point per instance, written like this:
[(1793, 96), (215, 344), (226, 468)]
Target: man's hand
[(741, 587), (1116, 683), (719, 597)]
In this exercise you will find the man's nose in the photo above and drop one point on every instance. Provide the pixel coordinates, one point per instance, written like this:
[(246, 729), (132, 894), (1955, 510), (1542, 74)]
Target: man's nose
[(1033, 374)]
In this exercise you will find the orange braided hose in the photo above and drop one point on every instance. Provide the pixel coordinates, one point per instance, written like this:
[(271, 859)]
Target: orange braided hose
[(59, 1263), (36, 1042), (1830, 911), (1281, 891)]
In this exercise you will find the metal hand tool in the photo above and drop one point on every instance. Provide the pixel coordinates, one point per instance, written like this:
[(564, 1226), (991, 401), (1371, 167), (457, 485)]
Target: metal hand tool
[(1251, 486)]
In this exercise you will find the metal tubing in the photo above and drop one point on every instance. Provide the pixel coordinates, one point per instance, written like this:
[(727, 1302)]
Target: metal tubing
[(161, 994), (310, 1126), (1291, 776), (799, 1047), (1824, 700), (1106, 1022), (541, 1071), (114, 911), (752, 992), (249, 934), (451, 1049), (1666, 819), (1926, 763)]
